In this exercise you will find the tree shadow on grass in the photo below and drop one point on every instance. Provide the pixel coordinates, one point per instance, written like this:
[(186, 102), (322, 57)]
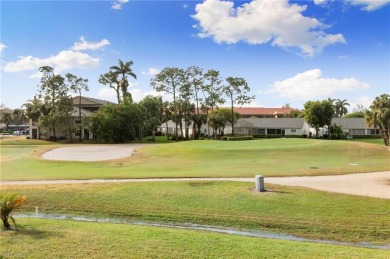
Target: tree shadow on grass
[(32, 232), (269, 191)]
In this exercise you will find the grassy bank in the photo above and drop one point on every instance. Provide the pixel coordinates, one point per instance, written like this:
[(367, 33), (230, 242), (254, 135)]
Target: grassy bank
[(270, 157), (66, 239), (298, 211)]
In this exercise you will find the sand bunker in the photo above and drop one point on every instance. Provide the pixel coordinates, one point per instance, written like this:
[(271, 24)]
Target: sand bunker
[(89, 153)]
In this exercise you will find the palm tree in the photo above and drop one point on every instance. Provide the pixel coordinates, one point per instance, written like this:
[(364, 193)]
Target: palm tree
[(379, 116), (34, 110), (124, 69), (334, 106), (340, 107)]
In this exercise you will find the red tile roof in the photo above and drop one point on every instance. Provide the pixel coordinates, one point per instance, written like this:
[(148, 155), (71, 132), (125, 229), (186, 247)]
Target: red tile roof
[(262, 111)]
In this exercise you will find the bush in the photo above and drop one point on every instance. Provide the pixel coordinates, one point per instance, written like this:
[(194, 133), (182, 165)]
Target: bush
[(296, 136), (9, 202), (158, 133), (173, 137), (366, 136), (268, 136), (239, 138)]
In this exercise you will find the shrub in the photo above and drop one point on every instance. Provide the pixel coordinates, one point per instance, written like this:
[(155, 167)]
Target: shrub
[(9, 202), (366, 136), (239, 138), (296, 136)]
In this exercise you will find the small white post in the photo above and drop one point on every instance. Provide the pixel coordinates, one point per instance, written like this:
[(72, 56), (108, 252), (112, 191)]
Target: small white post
[(36, 211), (259, 182)]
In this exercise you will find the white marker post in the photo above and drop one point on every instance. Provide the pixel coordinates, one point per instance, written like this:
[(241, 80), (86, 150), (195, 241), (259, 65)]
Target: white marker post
[(259, 181)]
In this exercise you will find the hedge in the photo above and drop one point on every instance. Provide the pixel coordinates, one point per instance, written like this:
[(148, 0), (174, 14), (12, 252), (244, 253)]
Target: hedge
[(366, 136), (239, 138)]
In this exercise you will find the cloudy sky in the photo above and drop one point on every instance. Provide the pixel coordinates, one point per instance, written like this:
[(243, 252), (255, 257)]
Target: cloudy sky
[(288, 51)]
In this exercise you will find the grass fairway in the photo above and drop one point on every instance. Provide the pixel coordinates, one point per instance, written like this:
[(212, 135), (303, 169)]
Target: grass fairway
[(66, 239), (270, 157), (298, 211)]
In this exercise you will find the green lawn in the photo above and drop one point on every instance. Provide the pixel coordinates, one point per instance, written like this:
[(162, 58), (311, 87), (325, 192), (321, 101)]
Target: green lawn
[(269, 157), (68, 239), (298, 211)]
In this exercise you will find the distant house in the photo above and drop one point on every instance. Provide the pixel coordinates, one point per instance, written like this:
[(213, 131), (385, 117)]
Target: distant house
[(281, 126), (88, 107), (258, 121), (271, 126), (355, 126)]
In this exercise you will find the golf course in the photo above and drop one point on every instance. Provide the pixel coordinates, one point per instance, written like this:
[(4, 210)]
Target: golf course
[(197, 218)]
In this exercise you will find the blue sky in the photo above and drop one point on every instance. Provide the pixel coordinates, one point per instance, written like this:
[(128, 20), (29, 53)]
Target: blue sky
[(288, 51)]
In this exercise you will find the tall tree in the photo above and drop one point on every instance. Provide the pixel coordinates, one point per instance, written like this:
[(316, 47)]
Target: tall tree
[(124, 70), (194, 76), (318, 114), (154, 112), (379, 116), (77, 84), (167, 109), (237, 90), (111, 79), (169, 81), (34, 110), (5, 116), (54, 92), (340, 107), (213, 90), (18, 116)]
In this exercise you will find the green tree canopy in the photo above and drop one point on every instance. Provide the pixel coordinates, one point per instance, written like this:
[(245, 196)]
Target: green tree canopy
[(379, 116), (55, 95), (154, 113), (318, 114), (237, 90), (169, 81)]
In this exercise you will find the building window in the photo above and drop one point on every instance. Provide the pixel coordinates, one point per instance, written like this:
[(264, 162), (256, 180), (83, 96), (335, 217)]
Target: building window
[(293, 130), (77, 121), (259, 131), (373, 132), (274, 131), (357, 132)]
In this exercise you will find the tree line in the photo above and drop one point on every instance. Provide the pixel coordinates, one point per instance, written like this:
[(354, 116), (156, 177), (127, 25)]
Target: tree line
[(197, 97)]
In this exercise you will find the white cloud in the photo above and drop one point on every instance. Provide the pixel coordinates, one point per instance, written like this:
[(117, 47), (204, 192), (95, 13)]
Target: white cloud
[(85, 45), (136, 93), (117, 4), (2, 47), (106, 92), (369, 5), (66, 59), (261, 22), (319, 2), (310, 85), (366, 101), (36, 75), (151, 71)]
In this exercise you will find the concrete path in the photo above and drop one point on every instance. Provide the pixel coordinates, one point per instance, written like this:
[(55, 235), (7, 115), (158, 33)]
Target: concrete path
[(364, 184)]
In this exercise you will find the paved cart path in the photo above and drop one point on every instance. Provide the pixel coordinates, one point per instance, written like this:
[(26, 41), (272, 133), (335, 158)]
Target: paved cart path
[(364, 184)]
